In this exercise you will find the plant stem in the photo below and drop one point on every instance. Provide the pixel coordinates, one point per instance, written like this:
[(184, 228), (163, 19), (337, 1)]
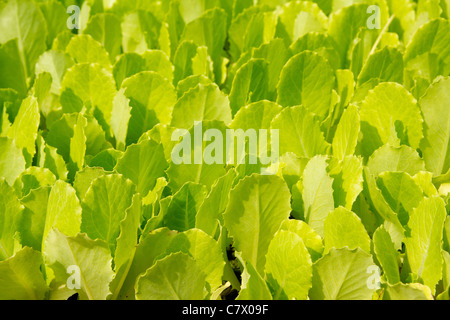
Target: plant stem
[(377, 42)]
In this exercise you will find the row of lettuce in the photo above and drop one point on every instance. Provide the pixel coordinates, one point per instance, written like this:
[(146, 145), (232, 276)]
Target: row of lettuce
[(92, 203)]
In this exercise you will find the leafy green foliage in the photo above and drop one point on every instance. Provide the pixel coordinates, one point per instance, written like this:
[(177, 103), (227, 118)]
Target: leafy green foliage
[(342, 275), (94, 204)]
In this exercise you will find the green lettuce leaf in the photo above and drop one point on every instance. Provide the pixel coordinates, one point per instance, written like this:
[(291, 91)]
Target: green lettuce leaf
[(126, 244), (428, 57), (317, 193), (25, 126), (21, 277), (299, 18), (143, 163), (311, 239), (347, 178), (378, 118), (409, 291), (210, 212), (10, 212), (307, 79), (436, 145), (385, 65), (56, 63), (63, 211), (299, 133), (151, 246), (204, 102), (401, 192), (395, 159), (106, 29), (148, 107), (85, 49), (423, 247), (254, 287), (12, 161), (204, 250), (12, 70), (93, 85), (209, 30), (24, 21), (251, 84), (190, 168), (31, 222), (92, 259), (288, 267), (386, 255), (347, 132), (343, 228), (176, 277), (183, 207), (140, 31), (104, 207), (342, 275), (264, 202)]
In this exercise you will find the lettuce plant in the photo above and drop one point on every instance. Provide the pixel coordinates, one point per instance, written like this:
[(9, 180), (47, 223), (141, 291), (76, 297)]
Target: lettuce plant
[(97, 96)]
